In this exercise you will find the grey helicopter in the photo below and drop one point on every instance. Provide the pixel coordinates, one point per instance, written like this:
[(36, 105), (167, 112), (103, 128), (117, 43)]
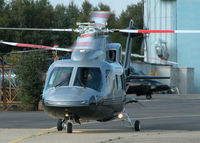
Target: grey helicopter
[(92, 84)]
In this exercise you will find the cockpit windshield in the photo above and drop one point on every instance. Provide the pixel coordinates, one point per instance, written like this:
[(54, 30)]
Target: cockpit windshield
[(60, 76), (89, 77)]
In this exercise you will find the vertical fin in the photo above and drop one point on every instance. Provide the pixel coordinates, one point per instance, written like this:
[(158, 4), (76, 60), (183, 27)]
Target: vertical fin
[(127, 57)]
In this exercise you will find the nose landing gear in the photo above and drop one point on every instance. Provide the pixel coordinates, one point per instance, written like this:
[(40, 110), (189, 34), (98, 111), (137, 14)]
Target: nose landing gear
[(63, 124)]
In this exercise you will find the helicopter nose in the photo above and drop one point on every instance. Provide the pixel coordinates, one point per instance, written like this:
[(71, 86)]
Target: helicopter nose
[(70, 97)]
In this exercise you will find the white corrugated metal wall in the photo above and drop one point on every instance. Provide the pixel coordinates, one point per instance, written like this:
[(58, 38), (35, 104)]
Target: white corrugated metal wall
[(160, 15)]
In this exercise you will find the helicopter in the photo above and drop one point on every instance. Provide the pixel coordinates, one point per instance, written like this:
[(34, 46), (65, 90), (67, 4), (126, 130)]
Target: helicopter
[(145, 87), (92, 84)]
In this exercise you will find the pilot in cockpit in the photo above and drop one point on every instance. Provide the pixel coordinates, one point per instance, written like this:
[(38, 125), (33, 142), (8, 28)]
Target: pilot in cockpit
[(90, 81), (89, 77), (64, 75)]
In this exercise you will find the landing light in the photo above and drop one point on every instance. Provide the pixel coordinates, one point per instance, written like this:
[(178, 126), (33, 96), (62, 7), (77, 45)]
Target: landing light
[(82, 50), (120, 115), (66, 115)]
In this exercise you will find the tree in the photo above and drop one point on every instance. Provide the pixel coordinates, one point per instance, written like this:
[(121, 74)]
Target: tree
[(13, 58), (134, 12), (62, 20), (72, 14), (85, 12), (4, 20), (2, 4), (103, 7), (30, 70), (38, 14), (29, 14)]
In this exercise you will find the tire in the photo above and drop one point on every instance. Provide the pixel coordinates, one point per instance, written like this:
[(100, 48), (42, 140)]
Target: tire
[(148, 96), (59, 125), (69, 127), (137, 126)]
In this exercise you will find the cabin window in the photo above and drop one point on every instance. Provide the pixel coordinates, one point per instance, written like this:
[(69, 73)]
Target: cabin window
[(89, 77), (60, 76), (116, 81), (123, 82), (119, 82), (110, 82)]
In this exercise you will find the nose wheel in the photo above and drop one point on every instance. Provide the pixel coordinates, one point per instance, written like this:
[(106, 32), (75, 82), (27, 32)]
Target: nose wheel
[(68, 126), (60, 125), (148, 96), (137, 126)]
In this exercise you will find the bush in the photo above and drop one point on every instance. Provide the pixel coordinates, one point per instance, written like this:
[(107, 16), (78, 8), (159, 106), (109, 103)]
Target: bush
[(30, 70)]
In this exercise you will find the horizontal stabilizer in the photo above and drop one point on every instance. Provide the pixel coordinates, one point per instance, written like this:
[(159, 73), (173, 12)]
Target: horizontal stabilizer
[(130, 100)]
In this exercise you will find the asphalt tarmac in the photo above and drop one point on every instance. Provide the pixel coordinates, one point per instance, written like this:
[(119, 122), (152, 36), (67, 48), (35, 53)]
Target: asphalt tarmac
[(163, 115)]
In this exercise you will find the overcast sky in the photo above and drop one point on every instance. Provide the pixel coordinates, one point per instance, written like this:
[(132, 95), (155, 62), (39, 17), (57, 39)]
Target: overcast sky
[(116, 5)]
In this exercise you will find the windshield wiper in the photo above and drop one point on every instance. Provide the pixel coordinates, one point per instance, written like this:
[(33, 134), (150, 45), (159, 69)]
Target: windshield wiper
[(62, 82)]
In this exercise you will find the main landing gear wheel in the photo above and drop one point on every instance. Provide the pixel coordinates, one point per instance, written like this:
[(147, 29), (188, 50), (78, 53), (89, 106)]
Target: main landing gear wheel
[(59, 125), (69, 127), (137, 126), (148, 96)]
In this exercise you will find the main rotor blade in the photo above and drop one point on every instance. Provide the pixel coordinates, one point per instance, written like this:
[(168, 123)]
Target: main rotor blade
[(36, 46), (38, 29), (156, 31), (146, 77)]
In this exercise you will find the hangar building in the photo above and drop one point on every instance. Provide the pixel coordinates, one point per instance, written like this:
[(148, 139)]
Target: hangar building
[(181, 48)]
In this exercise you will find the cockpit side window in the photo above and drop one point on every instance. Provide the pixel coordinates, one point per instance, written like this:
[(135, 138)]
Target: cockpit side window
[(60, 76), (111, 55), (89, 77)]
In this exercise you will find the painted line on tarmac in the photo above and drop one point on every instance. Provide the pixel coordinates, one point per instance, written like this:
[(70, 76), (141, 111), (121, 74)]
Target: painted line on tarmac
[(90, 122), (28, 137), (44, 132), (161, 117), (164, 117), (93, 122)]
